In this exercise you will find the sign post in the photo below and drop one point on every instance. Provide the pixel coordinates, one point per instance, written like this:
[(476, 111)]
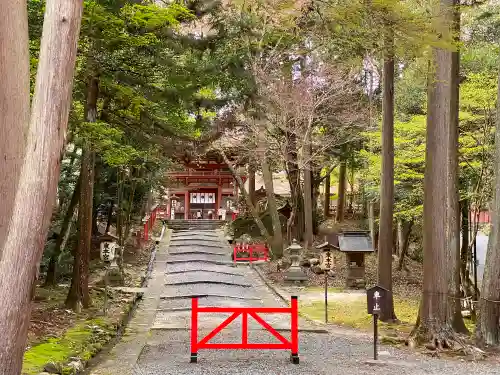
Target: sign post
[(375, 296), (326, 266)]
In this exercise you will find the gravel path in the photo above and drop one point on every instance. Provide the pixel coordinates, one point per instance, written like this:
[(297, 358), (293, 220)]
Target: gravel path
[(168, 354)]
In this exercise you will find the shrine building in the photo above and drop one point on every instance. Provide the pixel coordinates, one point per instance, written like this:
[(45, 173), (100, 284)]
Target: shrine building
[(202, 187)]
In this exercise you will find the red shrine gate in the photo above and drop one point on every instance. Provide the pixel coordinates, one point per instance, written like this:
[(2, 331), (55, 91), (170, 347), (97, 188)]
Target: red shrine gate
[(203, 187)]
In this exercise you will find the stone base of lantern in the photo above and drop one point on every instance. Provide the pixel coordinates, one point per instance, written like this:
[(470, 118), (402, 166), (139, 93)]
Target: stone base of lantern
[(295, 274)]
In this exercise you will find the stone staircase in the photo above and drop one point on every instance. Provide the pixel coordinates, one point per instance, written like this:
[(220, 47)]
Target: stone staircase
[(201, 224)]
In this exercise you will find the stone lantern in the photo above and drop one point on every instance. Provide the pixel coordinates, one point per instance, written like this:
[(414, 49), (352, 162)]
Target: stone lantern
[(295, 273)]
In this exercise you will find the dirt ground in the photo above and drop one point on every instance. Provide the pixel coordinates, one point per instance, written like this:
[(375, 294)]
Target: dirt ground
[(49, 316)]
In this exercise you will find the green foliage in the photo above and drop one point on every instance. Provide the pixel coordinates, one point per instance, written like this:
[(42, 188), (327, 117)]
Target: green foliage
[(409, 160)]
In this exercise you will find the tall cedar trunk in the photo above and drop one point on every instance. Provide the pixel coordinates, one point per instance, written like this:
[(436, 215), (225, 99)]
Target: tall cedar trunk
[(488, 331), (385, 244), (79, 290), (453, 214), (341, 188), (308, 209), (326, 203), (464, 251), (251, 182), (438, 312), (51, 278), (28, 176)]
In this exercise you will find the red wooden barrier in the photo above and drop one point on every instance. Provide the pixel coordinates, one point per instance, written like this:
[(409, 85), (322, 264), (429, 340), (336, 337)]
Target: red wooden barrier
[(292, 344), (261, 251), (150, 222)]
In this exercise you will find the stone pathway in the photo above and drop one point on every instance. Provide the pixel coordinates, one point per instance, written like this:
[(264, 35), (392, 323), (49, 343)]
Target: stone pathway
[(199, 264)]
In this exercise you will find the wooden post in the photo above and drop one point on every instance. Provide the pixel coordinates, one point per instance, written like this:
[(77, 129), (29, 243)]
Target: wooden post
[(218, 202), (186, 205), (169, 207)]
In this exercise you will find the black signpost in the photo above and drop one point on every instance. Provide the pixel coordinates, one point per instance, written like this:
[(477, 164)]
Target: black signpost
[(375, 295), (328, 267)]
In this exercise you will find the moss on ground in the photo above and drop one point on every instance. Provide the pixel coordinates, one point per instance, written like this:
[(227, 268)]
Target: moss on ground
[(83, 341), (353, 314)]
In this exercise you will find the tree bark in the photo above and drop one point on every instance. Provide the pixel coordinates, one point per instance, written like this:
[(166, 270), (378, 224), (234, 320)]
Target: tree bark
[(405, 242), (267, 175), (51, 278), (251, 182), (28, 177), (453, 206), (488, 331), (327, 196), (438, 312), (78, 295), (341, 188), (295, 224), (385, 244), (371, 223), (308, 209), (253, 209)]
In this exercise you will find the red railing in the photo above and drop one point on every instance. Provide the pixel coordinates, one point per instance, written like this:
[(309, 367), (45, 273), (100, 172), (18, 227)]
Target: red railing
[(292, 344), (149, 221), (261, 251)]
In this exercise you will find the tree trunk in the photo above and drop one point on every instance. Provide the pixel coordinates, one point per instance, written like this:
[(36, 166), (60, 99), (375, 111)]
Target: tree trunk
[(28, 176), (110, 216), (295, 224), (371, 223), (438, 313), (308, 209), (315, 183), (488, 331), (277, 244), (251, 182), (341, 188), (252, 208), (327, 196), (51, 278), (405, 242), (385, 244), (464, 251), (399, 236), (78, 294), (453, 206)]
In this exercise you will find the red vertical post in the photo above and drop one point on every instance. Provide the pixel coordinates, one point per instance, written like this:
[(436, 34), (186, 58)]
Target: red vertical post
[(244, 328), (194, 329), (186, 205), (295, 326), (146, 237), (218, 202)]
